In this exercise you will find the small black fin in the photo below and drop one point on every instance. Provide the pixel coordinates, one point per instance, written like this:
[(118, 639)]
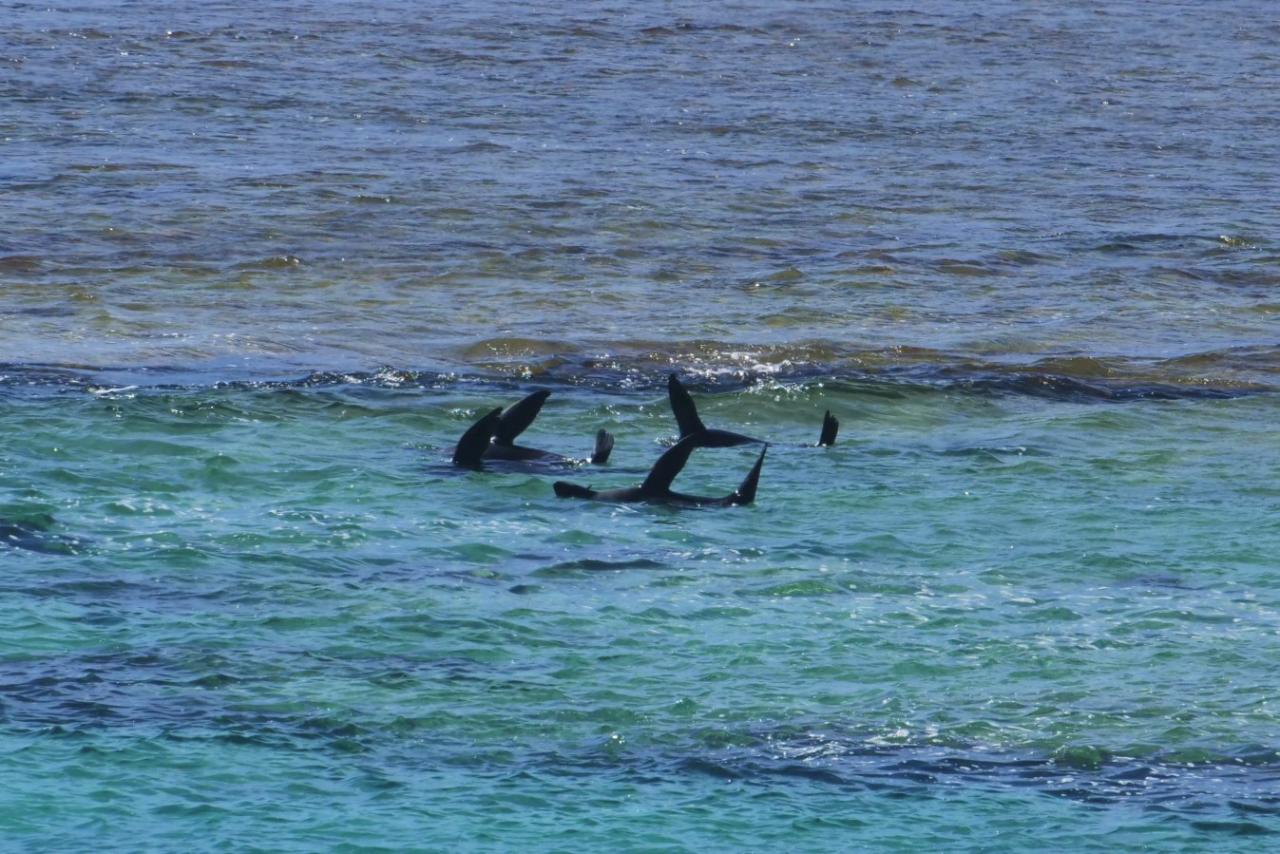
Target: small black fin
[(830, 427), (572, 490), (472, 445), (746, 493), (670, 464), (683, 407), (517, 417), (604, 447)]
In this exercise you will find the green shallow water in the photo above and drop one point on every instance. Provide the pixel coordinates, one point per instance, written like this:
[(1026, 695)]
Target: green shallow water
[(274, 617)]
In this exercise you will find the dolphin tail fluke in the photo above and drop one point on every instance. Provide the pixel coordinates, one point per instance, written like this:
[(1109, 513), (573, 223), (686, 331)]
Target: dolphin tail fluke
[(517, 417), (746, 493), (604, 447), (572, 490), (471, 447), (830, 427), (682, 405)]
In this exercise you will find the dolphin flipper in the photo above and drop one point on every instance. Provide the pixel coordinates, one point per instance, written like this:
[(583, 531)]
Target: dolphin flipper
[(604, 447), (746, 493), (670, 464), (830, 427), (517, 417), (471, 447), (564, 489)]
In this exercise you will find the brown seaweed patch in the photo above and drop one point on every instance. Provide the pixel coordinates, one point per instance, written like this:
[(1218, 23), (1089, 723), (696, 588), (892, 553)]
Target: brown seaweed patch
[(1076, 366), (958, 267), (514, 348), (98, 167), (20, 264), (868, 270), (1252, 359), (275, 262), (793, 317), (1023, 257)]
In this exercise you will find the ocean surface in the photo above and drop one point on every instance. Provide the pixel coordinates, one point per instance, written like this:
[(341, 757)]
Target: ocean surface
[(262, 264)]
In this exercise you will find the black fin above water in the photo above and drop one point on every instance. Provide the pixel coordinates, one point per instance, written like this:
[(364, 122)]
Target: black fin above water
[(471, 447), (670, 464), (830, 427), (517, 417), (687, 419), (656, 488), (492, 437), (604, 447), (746, 493), (683, 406)]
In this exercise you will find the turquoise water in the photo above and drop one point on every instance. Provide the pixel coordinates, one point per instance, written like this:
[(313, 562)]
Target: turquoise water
[(263, 267), (276, 617)]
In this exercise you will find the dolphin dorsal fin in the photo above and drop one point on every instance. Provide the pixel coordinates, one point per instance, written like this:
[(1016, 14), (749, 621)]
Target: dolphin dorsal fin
[(517, 417), (472, 445), (682, 405), (670, 464)]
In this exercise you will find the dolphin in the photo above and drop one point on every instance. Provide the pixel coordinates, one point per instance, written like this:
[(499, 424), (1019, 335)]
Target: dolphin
[(33, 534), (689, 422), (493, 435), (656, 488)]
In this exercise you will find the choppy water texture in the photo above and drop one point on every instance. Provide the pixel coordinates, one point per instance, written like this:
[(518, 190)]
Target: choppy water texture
[(262, 264)]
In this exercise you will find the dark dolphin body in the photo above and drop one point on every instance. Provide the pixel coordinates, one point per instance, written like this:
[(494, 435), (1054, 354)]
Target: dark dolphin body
[(493, 437), (657, 486), (690, 424), (33, 534)]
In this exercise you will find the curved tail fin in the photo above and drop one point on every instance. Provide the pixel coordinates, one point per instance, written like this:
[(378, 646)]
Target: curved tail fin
[(471, 447), (604, 447), (517, 417), (670, 464), (682, 405), (830, 427), (746, 493)]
